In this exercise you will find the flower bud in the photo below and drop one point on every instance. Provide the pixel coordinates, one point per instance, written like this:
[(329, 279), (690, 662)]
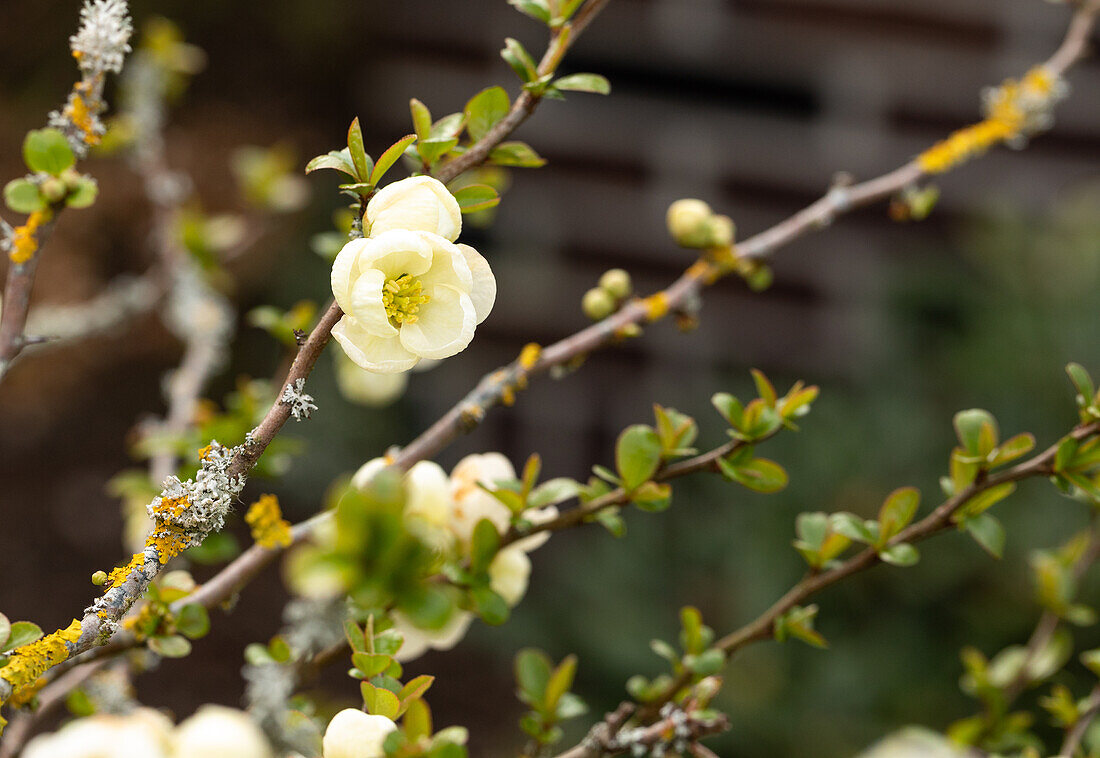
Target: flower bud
[(354, 734), (597, 304), (219, 732), (616, 283), (720, 231), (686, 220), (54, 190), (99, 578)]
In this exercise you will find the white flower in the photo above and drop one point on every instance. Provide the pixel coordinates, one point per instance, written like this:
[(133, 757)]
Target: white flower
[(144, 733), (408, 292), (418, 641), (510, 573), (419, 203), (427, 499), (215, 731), (354, 734), (471, 502)]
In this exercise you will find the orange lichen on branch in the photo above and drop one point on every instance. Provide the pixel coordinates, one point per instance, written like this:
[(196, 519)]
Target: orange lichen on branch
[(1013, 112), (24, 239), (168, 538), (656, 305), (29, 662), (118, 575), (529, 355), (269, 528), (83, 118)]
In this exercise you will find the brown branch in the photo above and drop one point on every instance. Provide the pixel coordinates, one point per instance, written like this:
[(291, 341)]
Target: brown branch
[(1077, 732), (17, 299)]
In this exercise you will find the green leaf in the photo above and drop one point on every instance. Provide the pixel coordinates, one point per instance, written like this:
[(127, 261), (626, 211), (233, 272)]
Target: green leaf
[(731, 409), (371, 664), (901, 554), (431, 150), (759, 474), (489, 606), (170, 647), (554, 491), (414, 690), (708, 662), (84, 194), (421, 118), (193, 621), (448, 126), (380, 701), (485, 109), (22, 196), (536, 9), (1013, 448), (977, 431), (484, 545), (339, 160), (812, 528), (764, 388), (987, 532), (476, 197), (853, 527), (897, 511), (652, 497), (518, 154), (516, 56), (584, 83), (358, 154), (533, 670), (418, 720), (47, 150), (388, 158), (1082, 382), (637, 455), (987, 499), (21, 633), (560, 682)]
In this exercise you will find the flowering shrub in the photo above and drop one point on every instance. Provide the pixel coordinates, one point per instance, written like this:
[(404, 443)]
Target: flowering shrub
[(403, 557)]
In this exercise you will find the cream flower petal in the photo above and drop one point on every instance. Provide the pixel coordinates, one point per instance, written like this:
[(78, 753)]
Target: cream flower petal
[(484, 289), (366, 472), (444, 326), (509, 574), (345, 269), (419, 203), (428, 493), (364, 387), (381, 354), (449, 265), (366, 304), (395, 253)]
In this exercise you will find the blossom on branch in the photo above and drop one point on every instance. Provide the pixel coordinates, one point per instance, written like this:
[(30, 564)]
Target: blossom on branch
[(407, 291), (354, 734)]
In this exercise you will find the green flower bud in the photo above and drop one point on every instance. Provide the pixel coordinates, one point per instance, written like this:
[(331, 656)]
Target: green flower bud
[(720, 231), (99, 578), (687, 222), (597, 304), (616, 283)]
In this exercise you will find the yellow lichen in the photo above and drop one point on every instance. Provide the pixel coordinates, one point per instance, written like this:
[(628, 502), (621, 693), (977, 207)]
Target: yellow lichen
[(118, 575), (529, 355), (78, 112), (24, 240), (1013, 110), (656, 305), (269, 528), (29, 662)]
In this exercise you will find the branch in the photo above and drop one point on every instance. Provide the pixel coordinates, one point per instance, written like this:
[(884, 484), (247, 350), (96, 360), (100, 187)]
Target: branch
[(1084, 721)]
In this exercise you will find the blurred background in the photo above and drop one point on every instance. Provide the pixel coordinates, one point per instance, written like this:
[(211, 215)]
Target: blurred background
[(751, 105)]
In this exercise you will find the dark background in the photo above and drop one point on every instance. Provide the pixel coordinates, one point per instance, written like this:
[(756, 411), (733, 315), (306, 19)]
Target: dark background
[(751, 105)]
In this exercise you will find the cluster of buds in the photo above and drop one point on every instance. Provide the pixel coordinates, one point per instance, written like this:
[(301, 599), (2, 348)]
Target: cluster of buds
[(693, 224), (609, 293)]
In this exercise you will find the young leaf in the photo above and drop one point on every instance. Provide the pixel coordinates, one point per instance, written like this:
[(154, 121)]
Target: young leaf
[(897, 511), (560, 682), (47, 150), (759, 474), (476, 197), (340, 160), (358, 154), (484, 110), (421, 118), (901, 554), (84, 194), (193, 621), (533, 671), (637, 455), (431, 150), (388, 158), (170, 647), (483, 545), (518, 154), (536, 9), (764, 388), (1082, 382), (22, 196), (516, 56), (21, 633), (380, 701), (584, 83), (987, 532)]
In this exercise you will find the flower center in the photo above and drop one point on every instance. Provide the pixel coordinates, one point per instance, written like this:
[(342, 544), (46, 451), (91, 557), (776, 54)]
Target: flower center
[(402, 299)]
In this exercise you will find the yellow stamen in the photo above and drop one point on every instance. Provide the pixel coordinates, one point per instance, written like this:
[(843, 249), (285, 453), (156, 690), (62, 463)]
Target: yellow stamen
[(402, 299)]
